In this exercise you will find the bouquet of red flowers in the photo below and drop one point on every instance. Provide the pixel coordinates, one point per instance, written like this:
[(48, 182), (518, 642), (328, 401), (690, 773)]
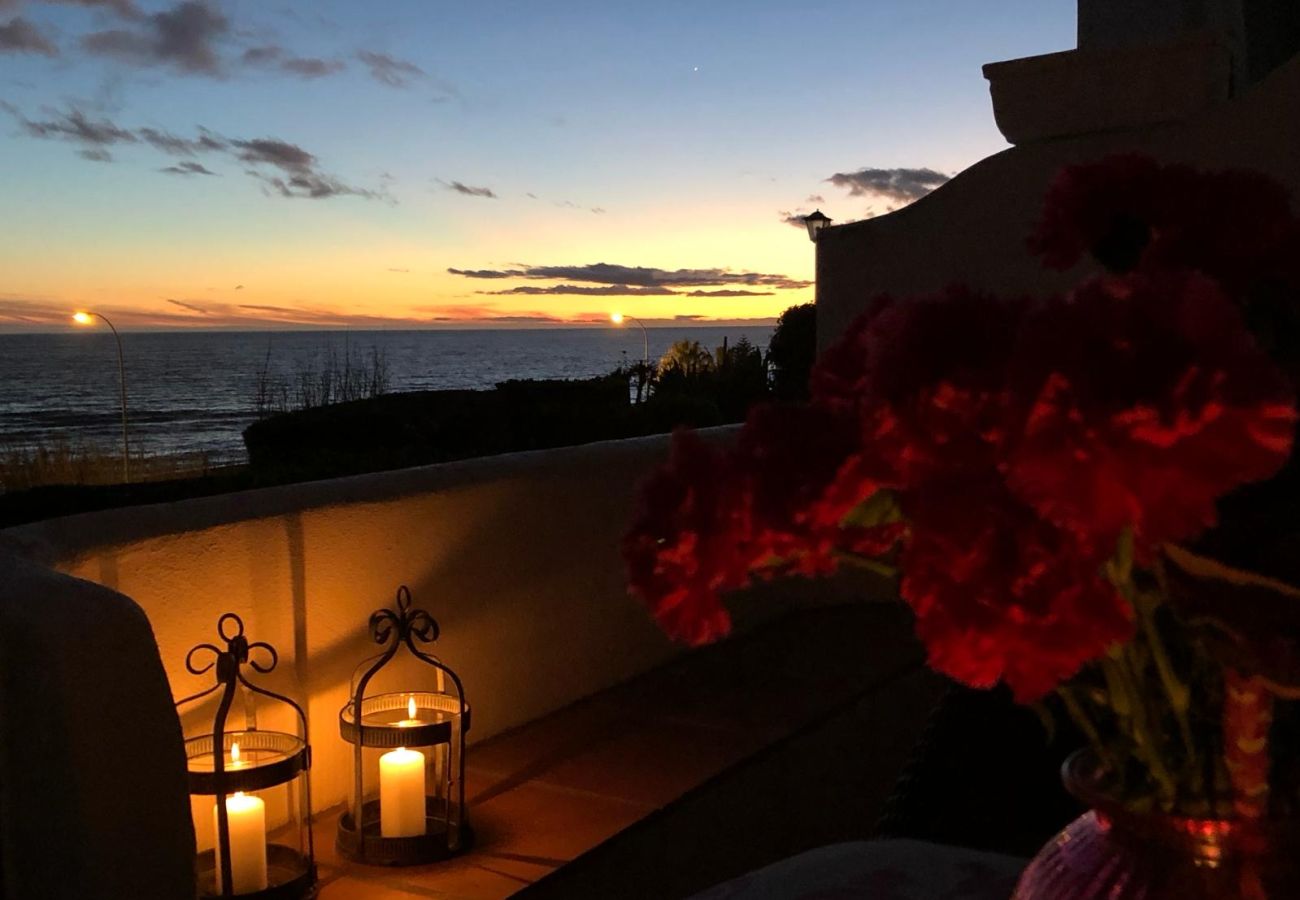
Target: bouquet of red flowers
[(1035, 471)]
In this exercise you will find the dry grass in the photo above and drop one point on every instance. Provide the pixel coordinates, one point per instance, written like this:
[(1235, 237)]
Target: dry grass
[(23, 467)]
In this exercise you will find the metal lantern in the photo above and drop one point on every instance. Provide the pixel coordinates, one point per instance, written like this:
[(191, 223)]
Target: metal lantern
[(408, 792), (250, 789), (816, 221)]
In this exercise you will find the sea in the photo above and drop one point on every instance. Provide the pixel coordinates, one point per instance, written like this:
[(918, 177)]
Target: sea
[(196, 391)]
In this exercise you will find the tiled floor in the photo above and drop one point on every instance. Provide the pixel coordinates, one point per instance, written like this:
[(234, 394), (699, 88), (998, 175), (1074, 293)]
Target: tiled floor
[(544, 794)]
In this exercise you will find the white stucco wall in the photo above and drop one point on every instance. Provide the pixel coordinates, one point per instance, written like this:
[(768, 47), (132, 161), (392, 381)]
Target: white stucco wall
[(516, 556)]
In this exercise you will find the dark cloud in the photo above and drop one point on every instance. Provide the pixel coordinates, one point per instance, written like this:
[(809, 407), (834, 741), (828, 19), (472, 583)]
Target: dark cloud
[(468, 190), (188, 167), (272, 56), (21, 36), (95, 154), (608, 290), (76, 126), (281, 154), (642, 276), (124, 8), (312, 185), (728, 292), (902, 185), (192, 307), (173, 145), (296, 171), (687, 317), (183, 38), (388, 69), (481, 273), (301, 177), (239, 287), (792, 218)]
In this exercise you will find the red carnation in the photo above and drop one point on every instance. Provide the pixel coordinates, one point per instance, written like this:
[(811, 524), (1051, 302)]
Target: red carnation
[(1002, 595), (1130, 212), (1145, 399), (684, 547), (926, 380), (1104, 209), (804, 472)]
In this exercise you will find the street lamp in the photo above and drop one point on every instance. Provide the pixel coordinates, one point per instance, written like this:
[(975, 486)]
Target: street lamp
[(816, 221), (87, 318), (617, 318)]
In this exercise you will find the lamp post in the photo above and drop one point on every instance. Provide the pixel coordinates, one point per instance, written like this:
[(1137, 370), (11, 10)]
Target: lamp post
[(617, 318), (816, 221), (86, 318)]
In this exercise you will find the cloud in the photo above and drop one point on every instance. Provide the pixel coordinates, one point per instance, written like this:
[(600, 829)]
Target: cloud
[(301, 177), (124, 8), (272, 56), (188, 167), (901, 185), (468, 190), (296, 172), (178, 146), (792, 218), (482, 273), (390, 70), (815, 198), (75, 126), (399, 271), (728, 292), (21, 36), (239, 287), (281, 154), (608, 290), (183, 38), (609, 273), (192, 307)]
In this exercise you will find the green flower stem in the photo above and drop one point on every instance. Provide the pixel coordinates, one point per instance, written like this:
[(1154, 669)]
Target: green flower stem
[(1080, 718), (866, 563), (1178, 694), (1134, 718)]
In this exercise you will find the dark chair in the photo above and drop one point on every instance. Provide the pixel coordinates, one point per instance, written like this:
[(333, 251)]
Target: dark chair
[(985, 774)]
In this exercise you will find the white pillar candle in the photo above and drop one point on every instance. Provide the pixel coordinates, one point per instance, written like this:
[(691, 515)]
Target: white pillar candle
[(246, 818), (401, 793)]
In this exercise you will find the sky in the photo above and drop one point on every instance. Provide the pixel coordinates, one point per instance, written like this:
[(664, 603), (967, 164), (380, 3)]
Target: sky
[(421, 163)]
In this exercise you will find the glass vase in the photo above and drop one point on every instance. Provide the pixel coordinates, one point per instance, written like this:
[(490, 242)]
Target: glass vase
[(1114, 853)]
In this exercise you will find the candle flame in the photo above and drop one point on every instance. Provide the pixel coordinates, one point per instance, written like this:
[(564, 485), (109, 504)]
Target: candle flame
[(410, 708), (234, 752)]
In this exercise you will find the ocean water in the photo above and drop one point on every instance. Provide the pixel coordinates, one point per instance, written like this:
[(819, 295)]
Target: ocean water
[(191, 391)]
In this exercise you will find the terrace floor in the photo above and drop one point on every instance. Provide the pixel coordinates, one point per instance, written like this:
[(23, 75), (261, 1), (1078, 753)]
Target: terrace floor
[(728, 758)]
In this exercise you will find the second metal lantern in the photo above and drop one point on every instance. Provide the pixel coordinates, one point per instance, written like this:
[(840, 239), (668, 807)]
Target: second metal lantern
[(408, 792)]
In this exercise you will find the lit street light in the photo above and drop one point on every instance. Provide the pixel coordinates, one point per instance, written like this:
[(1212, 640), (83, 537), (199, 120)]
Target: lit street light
[(816, 221), (617, 318), (87, 318)]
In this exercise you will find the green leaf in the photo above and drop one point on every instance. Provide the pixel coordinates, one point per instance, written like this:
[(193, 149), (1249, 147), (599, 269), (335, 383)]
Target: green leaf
[(880, 508)]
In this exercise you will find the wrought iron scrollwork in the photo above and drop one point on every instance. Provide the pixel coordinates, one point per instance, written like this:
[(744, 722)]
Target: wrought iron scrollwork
[(229, 664)]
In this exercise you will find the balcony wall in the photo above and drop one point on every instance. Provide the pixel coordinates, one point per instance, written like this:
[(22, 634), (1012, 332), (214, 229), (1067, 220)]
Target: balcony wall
[(973, 228), (516, 556)]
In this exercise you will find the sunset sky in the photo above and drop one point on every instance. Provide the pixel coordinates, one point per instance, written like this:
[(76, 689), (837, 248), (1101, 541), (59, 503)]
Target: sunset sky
[(421, 162)]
